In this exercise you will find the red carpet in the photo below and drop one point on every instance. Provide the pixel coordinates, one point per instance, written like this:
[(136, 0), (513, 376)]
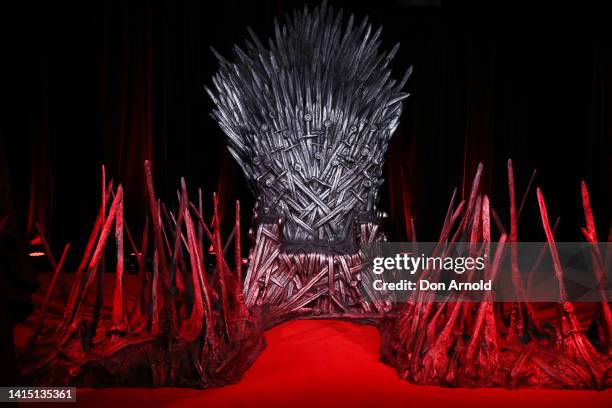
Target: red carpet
[(325, 364), (331, 363)]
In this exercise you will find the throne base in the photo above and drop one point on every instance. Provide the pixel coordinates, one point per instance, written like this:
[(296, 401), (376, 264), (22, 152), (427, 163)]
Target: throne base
[(292, 283)]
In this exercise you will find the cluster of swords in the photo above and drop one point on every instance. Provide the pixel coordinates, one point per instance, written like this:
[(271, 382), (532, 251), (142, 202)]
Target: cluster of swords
[(188, 326), (291, 284), (306, 259), (487, 344), (309, 120)]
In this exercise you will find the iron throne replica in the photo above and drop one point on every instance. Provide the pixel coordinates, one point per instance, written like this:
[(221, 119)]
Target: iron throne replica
[(309, 120)]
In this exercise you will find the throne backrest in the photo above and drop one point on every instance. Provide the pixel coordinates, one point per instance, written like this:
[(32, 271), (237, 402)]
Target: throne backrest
[(309, 120)]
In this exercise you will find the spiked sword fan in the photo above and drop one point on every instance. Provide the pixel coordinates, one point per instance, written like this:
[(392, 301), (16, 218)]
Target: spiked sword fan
[(308, 118)]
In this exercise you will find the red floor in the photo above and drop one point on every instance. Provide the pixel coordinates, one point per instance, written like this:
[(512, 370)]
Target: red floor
[(330, 363)]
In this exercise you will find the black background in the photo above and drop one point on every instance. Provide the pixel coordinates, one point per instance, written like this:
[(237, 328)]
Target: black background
[(116, 83)]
